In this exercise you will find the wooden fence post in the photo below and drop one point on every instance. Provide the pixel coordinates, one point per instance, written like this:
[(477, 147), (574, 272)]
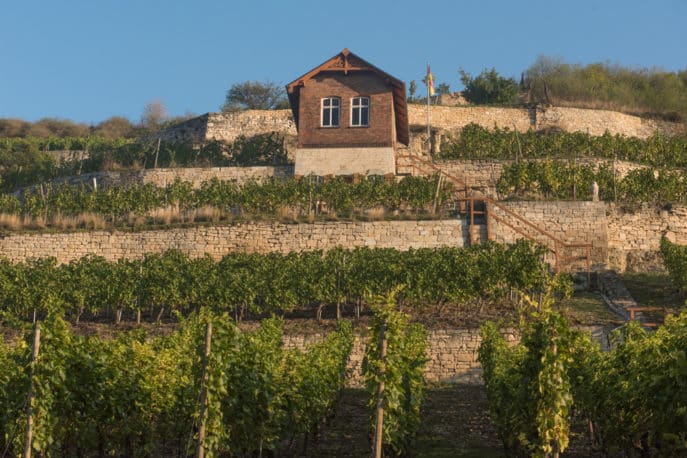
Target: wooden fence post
[(28, 436), (379, 426), (157, 151), (487, 210), (203, 390)]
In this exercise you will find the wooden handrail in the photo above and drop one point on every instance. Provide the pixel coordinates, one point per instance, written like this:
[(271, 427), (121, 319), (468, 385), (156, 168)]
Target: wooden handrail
[(435, 168), (490, 203), (524, 221), (633, 310)]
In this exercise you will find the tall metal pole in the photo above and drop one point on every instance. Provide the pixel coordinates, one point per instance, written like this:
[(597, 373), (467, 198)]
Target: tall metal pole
[(429, 132)]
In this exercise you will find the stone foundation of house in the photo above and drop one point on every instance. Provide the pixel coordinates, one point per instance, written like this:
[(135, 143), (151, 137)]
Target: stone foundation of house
[(345, 161)]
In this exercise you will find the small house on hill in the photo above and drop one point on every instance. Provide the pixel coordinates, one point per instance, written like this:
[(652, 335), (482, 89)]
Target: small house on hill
[(350, 116)]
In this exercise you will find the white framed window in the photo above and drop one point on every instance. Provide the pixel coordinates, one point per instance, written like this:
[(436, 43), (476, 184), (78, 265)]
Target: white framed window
[(360, 111), (331, 109)]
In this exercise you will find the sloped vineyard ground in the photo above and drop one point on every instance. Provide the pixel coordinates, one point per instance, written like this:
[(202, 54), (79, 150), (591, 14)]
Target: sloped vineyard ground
[(654, 289), (455, 423)]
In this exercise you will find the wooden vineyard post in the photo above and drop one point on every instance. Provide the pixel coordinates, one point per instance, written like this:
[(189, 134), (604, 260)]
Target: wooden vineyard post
[(379, 424), (554, 351), (472, 220), (157, 151), (487, 210), (28, 437), (557, 257), (203, 390), (436, 194)]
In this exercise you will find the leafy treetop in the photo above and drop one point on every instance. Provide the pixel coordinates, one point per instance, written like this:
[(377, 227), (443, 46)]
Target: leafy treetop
[(255, 95)]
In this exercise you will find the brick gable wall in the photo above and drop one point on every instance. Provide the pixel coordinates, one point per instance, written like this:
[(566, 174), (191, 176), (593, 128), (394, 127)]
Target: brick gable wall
[(327, 84)]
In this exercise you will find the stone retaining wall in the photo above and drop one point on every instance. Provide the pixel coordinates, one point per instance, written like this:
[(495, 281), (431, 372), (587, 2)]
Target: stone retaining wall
[(634, 234), (571, 222), (228, 126), (196, 176), (596, 122), (482, 174), (249, 237), (164, 176), (451, 354), (622, 238)]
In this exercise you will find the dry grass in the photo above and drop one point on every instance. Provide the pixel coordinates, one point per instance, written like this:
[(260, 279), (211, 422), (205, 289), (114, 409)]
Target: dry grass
[(11, 222), (165, 215), (377, 213), (82, 221), (207, 213), (34, 222), (136, 220), (288, 214)]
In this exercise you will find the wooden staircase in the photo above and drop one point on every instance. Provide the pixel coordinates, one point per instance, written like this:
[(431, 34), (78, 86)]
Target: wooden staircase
[(484, 214)]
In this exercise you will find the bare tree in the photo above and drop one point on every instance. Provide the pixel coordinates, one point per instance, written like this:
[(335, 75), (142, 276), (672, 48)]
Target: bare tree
[(154, 115)]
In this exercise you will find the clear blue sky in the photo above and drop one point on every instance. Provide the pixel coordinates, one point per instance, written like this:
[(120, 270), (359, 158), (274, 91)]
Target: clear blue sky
[(90, 60)]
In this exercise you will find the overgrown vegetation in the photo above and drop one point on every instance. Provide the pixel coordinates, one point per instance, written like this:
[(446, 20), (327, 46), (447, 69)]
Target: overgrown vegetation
[(654, 289), (675, 259), (112, 128), (648, 92), (489, 88)]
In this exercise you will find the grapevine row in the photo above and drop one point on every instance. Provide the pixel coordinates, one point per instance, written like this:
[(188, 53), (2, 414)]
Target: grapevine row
[(336, 197), (562, 180), (243, 283), (675, 259), (394, 378), (476, 142), (133, 396), (633, 395), (27, 161)]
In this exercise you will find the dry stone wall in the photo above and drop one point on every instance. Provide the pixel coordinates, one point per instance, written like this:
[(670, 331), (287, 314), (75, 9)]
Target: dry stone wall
[(164, 176), (248, 237), (228, 126), (196, 176), (622, 238), (481, 175), (569, 222), (596, 122), (451, 354), (634, 234)]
